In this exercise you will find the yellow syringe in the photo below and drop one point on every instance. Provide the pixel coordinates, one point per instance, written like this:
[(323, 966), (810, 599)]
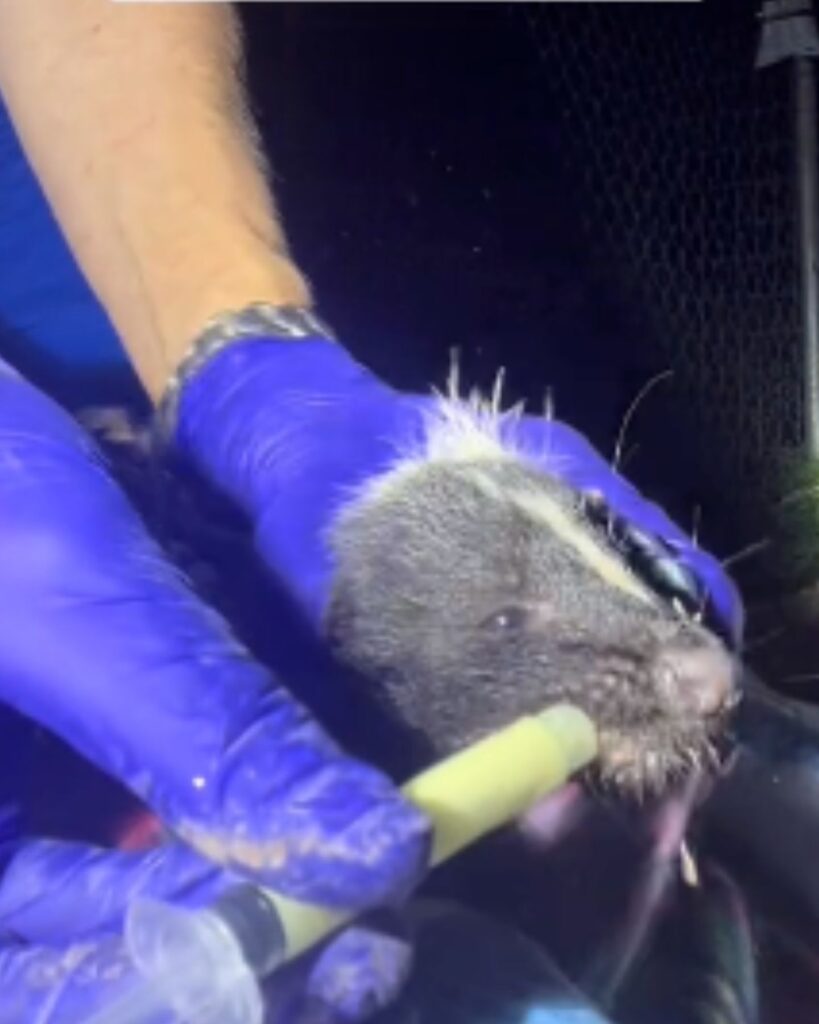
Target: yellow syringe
[(205, 965)]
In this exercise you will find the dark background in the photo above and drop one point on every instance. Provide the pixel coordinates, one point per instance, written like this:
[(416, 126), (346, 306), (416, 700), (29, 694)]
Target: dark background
[(585, 194), (417, 158)]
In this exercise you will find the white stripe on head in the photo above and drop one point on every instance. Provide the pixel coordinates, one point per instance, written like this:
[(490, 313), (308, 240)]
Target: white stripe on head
[(474, 431), (544, 509)]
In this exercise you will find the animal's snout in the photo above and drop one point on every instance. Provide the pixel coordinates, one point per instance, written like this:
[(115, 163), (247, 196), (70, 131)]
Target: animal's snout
[(699, 681)]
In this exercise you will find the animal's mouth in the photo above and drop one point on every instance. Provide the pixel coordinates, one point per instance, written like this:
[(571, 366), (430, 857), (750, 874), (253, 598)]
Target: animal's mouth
[(553, 816), (635, 766), (641, 765)]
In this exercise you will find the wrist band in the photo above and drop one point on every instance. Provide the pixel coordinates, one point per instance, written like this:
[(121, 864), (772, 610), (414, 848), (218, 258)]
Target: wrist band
[(258, 320)]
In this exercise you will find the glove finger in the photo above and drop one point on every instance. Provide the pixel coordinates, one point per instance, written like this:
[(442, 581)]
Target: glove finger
[(64, 904), (570, 456), (73, 984), (357, 974), (101, 641), (56, 892)]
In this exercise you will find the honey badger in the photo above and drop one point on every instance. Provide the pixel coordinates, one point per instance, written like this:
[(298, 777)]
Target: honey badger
[(472, 585)]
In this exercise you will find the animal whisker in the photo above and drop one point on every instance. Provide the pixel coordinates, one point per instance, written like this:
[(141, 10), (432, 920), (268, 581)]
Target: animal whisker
[(764, 639), (628, 457), (747, 552), (808, 677), (632, 409), (696, 524), (497, 392), (699, 614), (454, 375)]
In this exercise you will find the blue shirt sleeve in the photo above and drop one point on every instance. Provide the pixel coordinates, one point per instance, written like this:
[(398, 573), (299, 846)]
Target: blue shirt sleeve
[(52, 328)]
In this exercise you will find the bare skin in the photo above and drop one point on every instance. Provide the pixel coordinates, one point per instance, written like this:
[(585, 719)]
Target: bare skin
[(133, 117)]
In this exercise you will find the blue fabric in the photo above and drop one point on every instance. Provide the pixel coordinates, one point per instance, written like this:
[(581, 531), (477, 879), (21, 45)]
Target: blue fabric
[(51, 326)]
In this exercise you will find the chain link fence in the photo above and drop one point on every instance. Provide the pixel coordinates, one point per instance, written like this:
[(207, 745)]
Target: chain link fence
[(684, 154)]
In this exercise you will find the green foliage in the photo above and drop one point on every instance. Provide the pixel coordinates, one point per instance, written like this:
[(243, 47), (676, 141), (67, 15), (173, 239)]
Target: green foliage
[(796, 524)]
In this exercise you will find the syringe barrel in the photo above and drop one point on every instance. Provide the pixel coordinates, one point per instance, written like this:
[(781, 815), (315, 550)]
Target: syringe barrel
[(469, 794), (254, 922), (209, 961), (200, 963)]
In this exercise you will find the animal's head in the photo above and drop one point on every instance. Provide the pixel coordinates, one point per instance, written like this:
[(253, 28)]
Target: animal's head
[(472, 588)]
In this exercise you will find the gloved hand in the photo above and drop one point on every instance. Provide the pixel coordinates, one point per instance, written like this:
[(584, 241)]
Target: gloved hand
[(289, 429), (103, 643)]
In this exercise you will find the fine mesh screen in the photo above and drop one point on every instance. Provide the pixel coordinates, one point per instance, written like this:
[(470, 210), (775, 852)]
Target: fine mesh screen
[(684, 154)]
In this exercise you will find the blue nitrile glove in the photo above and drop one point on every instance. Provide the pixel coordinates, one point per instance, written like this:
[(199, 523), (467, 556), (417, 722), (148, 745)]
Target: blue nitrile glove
[(103, 643), (288, 429), (63, 958)]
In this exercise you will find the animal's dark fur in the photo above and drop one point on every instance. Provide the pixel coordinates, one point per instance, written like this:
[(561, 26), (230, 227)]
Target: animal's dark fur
[(464, 606), (468, 610)]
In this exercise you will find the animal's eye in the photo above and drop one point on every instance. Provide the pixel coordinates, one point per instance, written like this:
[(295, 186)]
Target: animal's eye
[(507, 620)]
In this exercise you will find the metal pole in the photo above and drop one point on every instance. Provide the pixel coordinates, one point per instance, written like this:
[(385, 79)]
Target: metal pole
[(789, 34)]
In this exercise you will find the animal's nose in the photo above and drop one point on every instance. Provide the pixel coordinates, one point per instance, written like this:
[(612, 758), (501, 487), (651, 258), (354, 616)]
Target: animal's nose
[(699, 681)]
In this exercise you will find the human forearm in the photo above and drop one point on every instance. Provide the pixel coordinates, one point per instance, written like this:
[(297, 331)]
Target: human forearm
[(133, 118)]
